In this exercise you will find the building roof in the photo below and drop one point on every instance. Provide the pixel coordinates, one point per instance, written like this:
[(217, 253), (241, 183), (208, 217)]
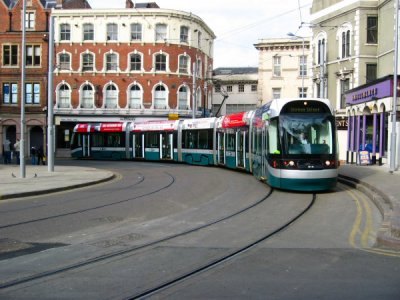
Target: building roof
[(146, 5), (235, 71), (71, 4), (235, 75), (53, 3)]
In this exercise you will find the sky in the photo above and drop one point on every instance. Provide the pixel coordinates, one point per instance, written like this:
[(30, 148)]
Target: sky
[(238, 24)]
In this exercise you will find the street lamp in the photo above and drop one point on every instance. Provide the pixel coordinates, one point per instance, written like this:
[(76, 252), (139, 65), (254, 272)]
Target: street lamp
[(303, 59), (392, 158), (22, 166)]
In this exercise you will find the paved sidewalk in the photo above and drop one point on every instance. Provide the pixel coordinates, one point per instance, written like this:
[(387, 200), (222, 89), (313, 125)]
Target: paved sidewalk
[(383, 188), (38, 180)]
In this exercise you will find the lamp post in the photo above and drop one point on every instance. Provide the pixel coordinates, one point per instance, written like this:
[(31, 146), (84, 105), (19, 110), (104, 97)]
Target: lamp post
[(392, 162), (23, 63), (50, 102), (303, 59)]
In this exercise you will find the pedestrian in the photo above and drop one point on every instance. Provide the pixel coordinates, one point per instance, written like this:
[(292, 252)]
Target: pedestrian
[(33, 155), (16, 149), (40, 155), (7, 151)]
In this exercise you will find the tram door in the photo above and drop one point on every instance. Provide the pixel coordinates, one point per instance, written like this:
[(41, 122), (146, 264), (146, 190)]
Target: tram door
[(166, 145), (264, 160), (138, 145), (85, 145), (221, 148), (240, 149)]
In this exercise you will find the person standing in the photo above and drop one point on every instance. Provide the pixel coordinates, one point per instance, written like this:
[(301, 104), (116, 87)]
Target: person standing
[(16, 149), (33, 155), (40, 155), (7, 151)]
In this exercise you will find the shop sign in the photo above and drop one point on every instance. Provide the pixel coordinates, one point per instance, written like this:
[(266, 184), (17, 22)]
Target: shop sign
[(342, 123), (375, 91), (364, 157)]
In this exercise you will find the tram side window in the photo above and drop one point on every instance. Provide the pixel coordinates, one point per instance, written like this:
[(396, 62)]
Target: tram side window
[(259, 142), (98, 140), (205, 139), (197, 139), (230, 141), (273, 138), (76, 140), (152, 140), (115, 140), (189, 139)]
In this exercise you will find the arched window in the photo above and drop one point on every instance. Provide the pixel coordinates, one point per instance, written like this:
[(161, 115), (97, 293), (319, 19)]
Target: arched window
[(199, 68), (183, 64), (64, 62), (87, 62), (111, 99), (184, 34), (111, 62), (321, 51), (87, 96), (160, 63), (135, 97), (198, 98), (135, 62), (64, 96), (344, 37), (183, 98), (160, 97)]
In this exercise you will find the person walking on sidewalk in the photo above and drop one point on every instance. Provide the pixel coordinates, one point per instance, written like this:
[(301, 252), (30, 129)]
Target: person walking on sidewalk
[(16, 149)]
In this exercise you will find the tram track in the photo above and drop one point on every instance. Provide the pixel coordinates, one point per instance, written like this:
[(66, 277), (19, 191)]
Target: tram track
[(128, 250), (142, 179), (210, 265)]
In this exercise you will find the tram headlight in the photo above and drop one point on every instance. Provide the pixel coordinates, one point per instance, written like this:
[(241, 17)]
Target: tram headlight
[(330, 163), (289, 164)]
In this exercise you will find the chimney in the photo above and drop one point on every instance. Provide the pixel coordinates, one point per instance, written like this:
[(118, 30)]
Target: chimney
[(59, 4), (128, 4)]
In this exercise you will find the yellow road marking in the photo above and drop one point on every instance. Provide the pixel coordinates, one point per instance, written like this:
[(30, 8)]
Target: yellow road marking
[(362, 203)]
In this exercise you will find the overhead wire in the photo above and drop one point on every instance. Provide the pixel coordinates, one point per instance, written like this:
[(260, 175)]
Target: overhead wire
[(261, 21)]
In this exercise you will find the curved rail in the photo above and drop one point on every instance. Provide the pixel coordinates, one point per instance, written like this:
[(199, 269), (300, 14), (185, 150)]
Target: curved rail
[(223, 259), (129, 250)]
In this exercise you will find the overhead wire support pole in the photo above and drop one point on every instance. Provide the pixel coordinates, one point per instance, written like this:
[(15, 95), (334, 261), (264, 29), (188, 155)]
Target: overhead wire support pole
[(50, 105), (194, 89), (302, 59), (392, 162), (23, 65)]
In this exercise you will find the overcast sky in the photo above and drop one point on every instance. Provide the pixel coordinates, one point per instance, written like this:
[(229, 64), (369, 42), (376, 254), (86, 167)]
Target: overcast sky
[(238, 24)]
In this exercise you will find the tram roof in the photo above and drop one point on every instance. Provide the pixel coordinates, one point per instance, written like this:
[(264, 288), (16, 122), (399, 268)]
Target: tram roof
[(237, 119), (275, 106), (159, 125), (201, 123), (101, 127)]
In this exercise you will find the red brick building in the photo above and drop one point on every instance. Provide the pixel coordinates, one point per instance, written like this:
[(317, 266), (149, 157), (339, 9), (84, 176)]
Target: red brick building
[(36, 67), (133, 63)]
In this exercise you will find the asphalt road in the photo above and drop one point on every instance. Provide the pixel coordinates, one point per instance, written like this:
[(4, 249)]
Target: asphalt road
[(89, 243)]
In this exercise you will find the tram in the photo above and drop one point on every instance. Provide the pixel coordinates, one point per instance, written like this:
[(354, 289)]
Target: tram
[(295, 144), (286, 143)]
